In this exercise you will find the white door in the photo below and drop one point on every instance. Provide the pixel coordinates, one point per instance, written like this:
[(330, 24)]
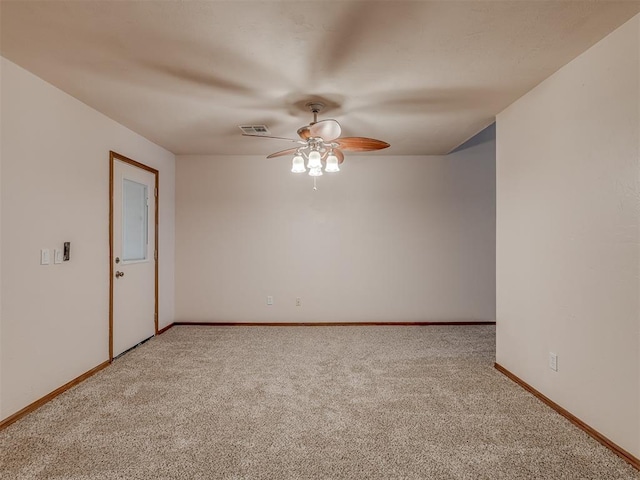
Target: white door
[(133, 255)]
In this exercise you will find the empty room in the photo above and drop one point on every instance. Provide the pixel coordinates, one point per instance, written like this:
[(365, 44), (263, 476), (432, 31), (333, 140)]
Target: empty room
[(325, 239)]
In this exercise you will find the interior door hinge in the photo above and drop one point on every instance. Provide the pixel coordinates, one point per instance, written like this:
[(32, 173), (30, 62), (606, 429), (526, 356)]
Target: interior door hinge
[(155, 192), (155, 254)]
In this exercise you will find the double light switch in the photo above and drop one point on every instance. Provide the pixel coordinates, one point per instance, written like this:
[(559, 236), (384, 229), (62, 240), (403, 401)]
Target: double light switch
[(59, 255)]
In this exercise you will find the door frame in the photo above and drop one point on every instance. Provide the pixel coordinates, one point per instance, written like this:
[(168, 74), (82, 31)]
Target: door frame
[(113, 156)]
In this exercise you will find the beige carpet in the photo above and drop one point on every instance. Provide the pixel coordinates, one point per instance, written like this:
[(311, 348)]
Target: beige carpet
[(295, 402)]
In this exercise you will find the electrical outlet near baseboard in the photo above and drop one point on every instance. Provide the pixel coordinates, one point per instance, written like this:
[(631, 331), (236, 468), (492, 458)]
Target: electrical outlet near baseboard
[(298, 301), (553, 361), (269, 300)]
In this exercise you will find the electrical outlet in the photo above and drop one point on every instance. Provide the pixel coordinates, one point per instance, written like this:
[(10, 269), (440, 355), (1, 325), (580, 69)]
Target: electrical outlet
[(553, 361), (269, 300), (298, 302)]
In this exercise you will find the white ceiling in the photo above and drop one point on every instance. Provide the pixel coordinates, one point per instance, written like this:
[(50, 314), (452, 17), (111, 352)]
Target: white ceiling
[(422, 75)]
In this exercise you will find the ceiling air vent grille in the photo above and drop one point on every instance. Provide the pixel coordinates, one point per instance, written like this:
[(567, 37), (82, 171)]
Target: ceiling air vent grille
[(255, 129)]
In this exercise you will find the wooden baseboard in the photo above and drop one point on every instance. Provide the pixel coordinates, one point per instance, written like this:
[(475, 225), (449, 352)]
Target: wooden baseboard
[(325, 324), (38, 403), (164, 329), (621, 452)]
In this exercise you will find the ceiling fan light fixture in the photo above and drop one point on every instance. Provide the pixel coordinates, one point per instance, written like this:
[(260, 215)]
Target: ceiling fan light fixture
[(297, 165), (314, 160), (332, 164), (315, 172)]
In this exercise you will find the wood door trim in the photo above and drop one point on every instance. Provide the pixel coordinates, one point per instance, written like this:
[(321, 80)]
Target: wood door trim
[(113, 156), (618, 450)]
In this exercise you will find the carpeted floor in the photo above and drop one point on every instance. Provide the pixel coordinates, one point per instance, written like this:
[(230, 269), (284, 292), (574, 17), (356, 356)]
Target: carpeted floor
[(295, 402)]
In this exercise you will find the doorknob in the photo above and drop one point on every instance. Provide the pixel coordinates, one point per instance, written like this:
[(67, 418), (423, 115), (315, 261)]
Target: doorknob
[(119, 274)]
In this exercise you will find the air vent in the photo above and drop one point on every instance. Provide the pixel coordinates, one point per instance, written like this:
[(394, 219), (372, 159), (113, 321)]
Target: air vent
[(255, 129)]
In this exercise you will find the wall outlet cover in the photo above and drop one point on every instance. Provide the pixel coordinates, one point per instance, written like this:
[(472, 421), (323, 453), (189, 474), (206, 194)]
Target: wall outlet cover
[(553, 361)]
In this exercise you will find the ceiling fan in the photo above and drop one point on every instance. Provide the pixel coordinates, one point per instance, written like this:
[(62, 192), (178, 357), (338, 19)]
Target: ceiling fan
[(320, 141)]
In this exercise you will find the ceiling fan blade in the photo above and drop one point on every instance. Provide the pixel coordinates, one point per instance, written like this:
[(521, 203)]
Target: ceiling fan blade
[(326, 129), (360, 144), (288, 151), (269, 136)]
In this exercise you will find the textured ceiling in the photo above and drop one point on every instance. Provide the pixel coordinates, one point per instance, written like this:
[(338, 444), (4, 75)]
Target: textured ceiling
[(423, 75)]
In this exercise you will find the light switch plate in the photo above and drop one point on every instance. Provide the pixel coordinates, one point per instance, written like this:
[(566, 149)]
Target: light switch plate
[(45, 256), (57, 255)]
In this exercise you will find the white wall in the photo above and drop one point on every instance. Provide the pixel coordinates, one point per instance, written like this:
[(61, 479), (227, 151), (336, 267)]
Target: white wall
[(55, 188), (568, 239), (386, 239)]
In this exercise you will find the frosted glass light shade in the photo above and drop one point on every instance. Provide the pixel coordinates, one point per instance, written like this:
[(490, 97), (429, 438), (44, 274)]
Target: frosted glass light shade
[(315, 172), (332, 164), (297, 166), (314, 160)]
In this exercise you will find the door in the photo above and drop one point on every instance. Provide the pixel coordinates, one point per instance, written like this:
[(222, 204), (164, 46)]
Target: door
[(133, 254)]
